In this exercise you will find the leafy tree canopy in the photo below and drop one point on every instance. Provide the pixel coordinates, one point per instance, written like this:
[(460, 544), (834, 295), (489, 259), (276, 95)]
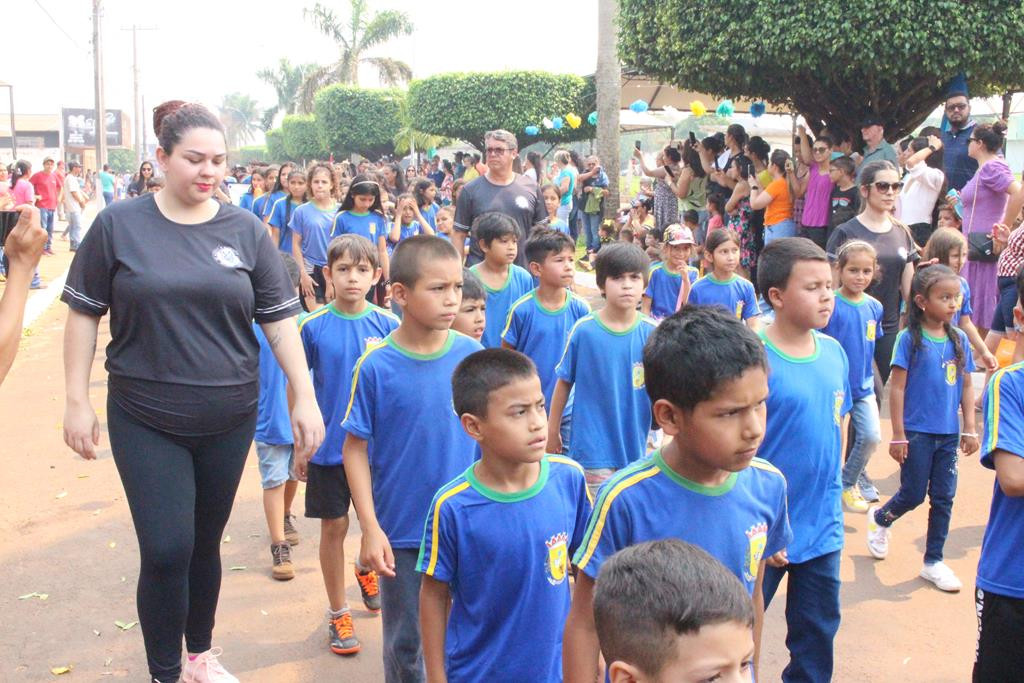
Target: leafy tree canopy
[(351, 119), (275, 145), (467, 105), (301, 137), (833, 60)]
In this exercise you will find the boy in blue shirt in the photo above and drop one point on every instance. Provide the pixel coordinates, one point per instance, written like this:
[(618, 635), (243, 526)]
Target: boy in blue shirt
[(809, 393), (404, 440), (472, 316), (666, 279), (504, 281), (1000, 593), (498, 538), (603, 362), (334, 337), (707, 376), (275, 450), (668, 611)]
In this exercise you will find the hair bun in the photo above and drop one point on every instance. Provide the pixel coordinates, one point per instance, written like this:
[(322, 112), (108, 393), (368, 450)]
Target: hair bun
[(999, 127), (162, 111)]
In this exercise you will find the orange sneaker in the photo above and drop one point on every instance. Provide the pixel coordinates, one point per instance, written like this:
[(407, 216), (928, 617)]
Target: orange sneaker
[(370, 589), (343, 634)]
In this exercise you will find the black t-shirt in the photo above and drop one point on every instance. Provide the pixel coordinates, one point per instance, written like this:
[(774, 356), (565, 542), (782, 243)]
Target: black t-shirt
[(519, 200), (182, 298), (895, 250), (843, 205)]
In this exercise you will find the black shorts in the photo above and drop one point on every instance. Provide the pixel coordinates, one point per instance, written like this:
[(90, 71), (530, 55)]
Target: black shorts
[(327, 493), (1000, 656), (1002, 320), (319, 287)]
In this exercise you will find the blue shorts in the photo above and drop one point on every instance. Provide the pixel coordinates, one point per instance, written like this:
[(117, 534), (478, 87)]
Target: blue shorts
[(275, 463), (1003, 318)]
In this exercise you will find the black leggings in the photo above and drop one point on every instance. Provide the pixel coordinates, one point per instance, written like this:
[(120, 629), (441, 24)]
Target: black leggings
[(180, 491)]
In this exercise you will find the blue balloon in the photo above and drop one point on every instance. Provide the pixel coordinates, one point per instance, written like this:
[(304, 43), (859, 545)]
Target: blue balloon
[(757, 109), (639, 106), (531, 130), (557, 123), (592, 118)]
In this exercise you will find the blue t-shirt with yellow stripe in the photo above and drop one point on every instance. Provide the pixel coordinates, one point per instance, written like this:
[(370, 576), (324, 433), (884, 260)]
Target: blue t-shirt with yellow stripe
[(931, 399), (612, 413), (401, 403), (663, 287), (499, 300), (280, 217), (735, 295), (334, 341), (857, 325), (1000, 570), (509, 585), (740, 522)]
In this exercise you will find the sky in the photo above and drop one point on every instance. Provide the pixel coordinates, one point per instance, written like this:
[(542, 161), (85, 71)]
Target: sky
[(204, 49)]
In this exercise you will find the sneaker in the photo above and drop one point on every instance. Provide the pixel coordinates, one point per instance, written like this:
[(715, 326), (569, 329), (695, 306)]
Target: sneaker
[(867, 488), (369, 588), (282, 554), (942, 576), (48, 252), (878, 536), (290, 533), (853, 501), (342, 634), (38, 284), (206, 669)]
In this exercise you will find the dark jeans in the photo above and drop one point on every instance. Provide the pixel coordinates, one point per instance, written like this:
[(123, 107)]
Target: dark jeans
[(574, 218), (812, 615), (1000, 655), (180, 491), (930, 468), (400, 617)]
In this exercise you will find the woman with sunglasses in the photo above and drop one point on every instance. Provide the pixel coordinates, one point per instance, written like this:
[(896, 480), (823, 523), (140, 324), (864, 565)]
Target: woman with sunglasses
[(815, 186), (138, 184), (986, 202)]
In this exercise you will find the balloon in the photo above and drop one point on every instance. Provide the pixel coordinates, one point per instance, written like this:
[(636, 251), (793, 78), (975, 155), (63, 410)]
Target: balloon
[(592, 118), (697, 108), (757, 109), (639, 106), (573, 120), (557, 123), (725, 109), (531, 130), (548, 123), (432, 153)]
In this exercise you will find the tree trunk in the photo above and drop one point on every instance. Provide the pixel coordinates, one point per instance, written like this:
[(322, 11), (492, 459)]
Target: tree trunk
[(608, 80)]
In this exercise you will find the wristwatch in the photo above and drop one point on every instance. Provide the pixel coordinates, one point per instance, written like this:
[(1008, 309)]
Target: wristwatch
[(933, 148)]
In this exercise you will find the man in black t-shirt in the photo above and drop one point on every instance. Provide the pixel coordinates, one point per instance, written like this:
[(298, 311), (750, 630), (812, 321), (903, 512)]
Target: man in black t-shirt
[(502, 190)]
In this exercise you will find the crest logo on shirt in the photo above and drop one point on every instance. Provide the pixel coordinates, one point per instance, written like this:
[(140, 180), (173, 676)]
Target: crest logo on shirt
[(837, 407), (227, 257), (373, 229), (757, 540), (522, 202), (950, 372), (872, 325), (557, 563), (370, 341), (739, 309), (638, 375)]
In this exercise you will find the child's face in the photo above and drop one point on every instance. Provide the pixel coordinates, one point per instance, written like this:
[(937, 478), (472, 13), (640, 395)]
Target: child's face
[(320, 186), (551, 202), (433, 302), (407, 213), (557, 270), (471, 318), (444, 222), (502, 250), (624, 291), (429, 194), (942, 301), (723, 653), (948, 219), (835, 175), (858, 272), (515, 427), (677, 255), (726, 257), (363, 202), (351, 280), (807, 299), (957, 257)]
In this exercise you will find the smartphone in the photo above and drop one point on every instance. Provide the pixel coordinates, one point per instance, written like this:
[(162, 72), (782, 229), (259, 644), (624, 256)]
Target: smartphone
[(8, 219), (637, 144), (693, 138)]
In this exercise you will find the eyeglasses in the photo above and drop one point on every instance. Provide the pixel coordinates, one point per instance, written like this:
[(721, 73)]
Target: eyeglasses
[(970, 140), (497, 151), (820, 150), (886, 187), (955, 107)]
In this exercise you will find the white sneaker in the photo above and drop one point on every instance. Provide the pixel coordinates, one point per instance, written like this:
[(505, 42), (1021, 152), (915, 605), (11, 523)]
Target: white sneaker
[(878, 536), (206, 669), (942, 576)]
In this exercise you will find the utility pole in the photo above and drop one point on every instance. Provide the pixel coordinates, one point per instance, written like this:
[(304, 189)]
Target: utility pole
[(100, 118), (140, 127)]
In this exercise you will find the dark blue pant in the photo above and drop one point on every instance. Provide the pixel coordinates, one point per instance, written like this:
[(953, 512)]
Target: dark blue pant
[(930, 468), (812, 615)]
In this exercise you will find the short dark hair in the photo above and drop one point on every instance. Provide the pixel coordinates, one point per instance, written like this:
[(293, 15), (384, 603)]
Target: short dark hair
[(776, 262), (472, 288), (649, 594), (411, 253), (691, 216), (618, 259), (692, 352), (480, 374), (544, 242), (844, 164), (356, 247), (492, 225)]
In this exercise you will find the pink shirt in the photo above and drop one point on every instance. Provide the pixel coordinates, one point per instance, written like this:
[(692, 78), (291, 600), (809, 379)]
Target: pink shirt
[(23, 192)]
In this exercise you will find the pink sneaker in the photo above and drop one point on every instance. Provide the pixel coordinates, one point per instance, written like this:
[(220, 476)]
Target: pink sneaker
[(206, 669)]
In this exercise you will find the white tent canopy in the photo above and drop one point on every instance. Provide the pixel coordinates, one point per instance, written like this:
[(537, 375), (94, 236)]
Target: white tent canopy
[(631, 121)]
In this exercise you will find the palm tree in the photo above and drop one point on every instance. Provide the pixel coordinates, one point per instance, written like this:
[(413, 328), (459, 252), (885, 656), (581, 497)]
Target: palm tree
[(408, 138), (608, 82), (354, 38), (240, 115), (286, 81)]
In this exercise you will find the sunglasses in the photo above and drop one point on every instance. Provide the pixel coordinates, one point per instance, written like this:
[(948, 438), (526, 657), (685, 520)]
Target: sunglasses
[(820, 150), (886, 187), (497, 151), (954, 107)]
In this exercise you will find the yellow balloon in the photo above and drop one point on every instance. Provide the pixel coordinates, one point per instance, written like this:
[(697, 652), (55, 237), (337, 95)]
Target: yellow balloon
[(697, 108), (573, 120)]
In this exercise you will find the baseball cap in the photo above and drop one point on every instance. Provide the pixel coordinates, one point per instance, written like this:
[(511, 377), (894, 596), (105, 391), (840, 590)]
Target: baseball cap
[(72, 165), (678, 234), (871, 120)]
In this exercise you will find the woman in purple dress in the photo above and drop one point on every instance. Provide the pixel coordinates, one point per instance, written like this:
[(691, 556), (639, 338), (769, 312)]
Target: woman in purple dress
[(985, 199)]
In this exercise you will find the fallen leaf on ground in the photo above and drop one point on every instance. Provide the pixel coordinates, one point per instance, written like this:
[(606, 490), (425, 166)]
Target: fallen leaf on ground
[(227, 539), (61, 494), (41, 596), (83, 476), (95, 631), (95, 512), (239, 568), (124, 626), (58, 670), (263, 612), (107, 661)]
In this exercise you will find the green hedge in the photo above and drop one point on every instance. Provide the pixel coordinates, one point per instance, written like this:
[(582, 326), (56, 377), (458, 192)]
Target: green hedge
[(275, 146), (357, 120), (301, 137)]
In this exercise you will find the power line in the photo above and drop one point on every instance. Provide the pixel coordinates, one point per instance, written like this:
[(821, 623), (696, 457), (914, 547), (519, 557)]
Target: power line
[(59, 27)]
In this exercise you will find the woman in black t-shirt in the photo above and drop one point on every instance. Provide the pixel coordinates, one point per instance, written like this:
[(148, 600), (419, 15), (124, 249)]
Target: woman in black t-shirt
[(183, 278)]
